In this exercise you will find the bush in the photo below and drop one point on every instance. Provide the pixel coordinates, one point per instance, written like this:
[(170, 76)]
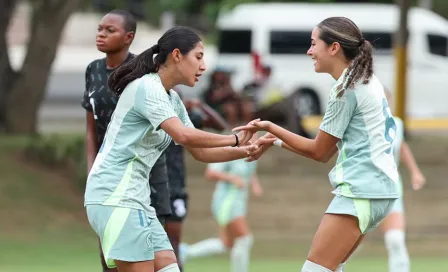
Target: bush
[(64, 152)]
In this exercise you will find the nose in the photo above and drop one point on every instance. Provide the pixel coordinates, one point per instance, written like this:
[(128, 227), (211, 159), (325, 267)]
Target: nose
[(202, 66), (309, 52), (101, 34)]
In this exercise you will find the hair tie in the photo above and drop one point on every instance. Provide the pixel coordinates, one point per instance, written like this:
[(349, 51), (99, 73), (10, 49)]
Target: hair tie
[(155, 49), (361, 41)]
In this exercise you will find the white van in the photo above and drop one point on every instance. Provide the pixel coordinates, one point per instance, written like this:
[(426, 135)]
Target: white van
[(280, 33)]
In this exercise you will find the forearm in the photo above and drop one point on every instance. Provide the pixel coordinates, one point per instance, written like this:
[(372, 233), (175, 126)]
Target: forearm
[(218, 154), (293, 142), (408, 158), (195, 138)]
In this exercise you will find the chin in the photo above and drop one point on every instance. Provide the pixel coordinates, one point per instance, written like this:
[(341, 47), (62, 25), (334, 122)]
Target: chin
[(103, 50), (191, 84)]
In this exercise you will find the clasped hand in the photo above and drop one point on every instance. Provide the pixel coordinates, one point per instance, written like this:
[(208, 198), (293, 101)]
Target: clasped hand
[(255, 147)]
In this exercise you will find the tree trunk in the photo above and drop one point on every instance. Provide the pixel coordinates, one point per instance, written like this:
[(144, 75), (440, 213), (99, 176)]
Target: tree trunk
[(7, 75), (48, 22)]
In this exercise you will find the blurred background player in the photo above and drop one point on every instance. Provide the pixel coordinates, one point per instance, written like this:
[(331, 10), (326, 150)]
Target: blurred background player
[(229, 208), (202, 116), (393, 225), (115, 34)]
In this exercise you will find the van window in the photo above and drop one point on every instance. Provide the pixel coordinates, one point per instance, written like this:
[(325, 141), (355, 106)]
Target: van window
[(290, 42), (235, 41), (381, 41), (438, 45), (298, 42)]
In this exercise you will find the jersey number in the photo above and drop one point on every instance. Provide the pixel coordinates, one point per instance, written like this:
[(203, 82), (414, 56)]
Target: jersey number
[(390, 125)]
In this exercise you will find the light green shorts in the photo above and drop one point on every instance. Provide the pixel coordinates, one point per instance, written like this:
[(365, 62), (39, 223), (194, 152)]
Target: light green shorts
[(228, 207), (399, 204), (127, 234), (370, 212)]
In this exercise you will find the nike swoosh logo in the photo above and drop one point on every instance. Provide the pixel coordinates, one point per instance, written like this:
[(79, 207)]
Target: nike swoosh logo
[(90, 93)]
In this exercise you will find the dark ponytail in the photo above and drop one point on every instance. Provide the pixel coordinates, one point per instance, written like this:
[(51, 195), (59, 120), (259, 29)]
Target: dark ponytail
[(355, 47), (139, 66), (361, 67), (178, 37)]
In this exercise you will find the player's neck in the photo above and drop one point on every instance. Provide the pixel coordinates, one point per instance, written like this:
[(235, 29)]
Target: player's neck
[(338, 69), (113, 60)]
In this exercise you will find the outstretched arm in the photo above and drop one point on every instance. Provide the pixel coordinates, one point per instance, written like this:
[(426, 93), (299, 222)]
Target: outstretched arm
[(321, 149), (266, 142), (194, 138)]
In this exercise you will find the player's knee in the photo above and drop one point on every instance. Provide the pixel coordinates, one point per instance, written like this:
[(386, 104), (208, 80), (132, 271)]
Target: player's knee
[(170, 268), (164, 259), (242, 244), (395, 240)]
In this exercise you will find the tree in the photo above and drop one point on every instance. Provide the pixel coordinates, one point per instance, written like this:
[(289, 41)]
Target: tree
[(22, 91)]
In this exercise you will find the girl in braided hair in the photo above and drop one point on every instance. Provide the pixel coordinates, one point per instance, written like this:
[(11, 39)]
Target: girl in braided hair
[(359, 124)]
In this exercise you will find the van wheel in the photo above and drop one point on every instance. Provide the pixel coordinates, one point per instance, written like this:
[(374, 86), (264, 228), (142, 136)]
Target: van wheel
[(306, 103)]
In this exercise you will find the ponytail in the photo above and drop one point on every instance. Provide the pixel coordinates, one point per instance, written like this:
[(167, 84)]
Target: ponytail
[(139, 66), (360, 68)]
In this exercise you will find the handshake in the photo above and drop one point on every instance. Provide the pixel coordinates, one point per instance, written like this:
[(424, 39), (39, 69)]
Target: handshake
[(247, 139)]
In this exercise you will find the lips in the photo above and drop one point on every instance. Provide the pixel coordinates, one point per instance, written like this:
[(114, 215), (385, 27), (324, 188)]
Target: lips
[(197, 77), (100, 43)]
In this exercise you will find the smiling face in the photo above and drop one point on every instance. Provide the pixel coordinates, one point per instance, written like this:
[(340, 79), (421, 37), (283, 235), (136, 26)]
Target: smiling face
[(322, 53), (112, 36), (190, 66)]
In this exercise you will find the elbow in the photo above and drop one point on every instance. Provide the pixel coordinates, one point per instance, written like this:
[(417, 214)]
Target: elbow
[(320, 157), (182, 138), (198, 155)]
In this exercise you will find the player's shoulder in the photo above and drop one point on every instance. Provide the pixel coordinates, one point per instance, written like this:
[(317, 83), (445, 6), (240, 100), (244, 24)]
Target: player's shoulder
[(95, 64)]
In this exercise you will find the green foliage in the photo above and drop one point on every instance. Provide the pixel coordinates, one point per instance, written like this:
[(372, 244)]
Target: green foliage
[(65, 153)]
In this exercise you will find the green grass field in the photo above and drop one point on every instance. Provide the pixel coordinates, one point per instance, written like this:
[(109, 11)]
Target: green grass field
[(43, 227), (83, 256)]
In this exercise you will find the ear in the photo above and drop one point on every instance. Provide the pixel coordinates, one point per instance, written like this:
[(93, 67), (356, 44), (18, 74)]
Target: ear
[(129, 37), (334, 48), (177, 55)]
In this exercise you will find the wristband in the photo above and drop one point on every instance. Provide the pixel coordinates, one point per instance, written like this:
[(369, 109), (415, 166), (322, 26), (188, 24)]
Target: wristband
[(278, 143), (236, 141)]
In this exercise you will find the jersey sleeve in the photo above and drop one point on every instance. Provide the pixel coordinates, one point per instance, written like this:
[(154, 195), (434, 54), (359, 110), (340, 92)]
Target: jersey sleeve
[(338, 114), (85, 102), (153, 103), (182, 111)]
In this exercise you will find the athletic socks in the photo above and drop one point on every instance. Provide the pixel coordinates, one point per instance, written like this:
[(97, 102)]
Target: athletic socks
[(240, 254), (170, 268), (203, 248), (397, 251), (313, 267)]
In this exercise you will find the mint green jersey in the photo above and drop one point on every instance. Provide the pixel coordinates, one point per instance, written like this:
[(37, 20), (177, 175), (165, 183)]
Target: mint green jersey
[(133, 143), (362, 120)]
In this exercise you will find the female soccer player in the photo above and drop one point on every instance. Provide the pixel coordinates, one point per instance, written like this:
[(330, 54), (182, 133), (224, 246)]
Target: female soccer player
[(115, 34), (229, 209), (358, 122), (394, 224), (148, 115)]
